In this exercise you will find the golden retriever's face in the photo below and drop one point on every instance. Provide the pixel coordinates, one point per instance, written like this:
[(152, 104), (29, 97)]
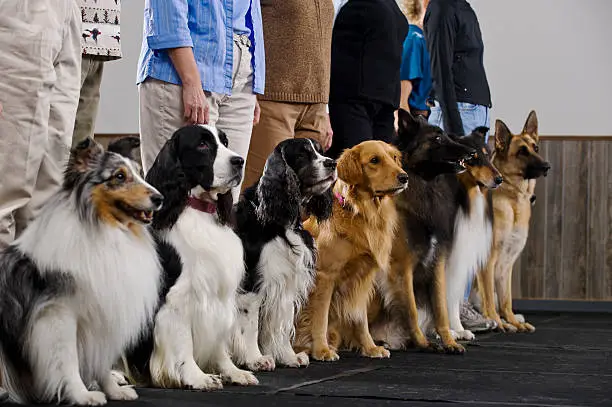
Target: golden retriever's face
[(373, 166)]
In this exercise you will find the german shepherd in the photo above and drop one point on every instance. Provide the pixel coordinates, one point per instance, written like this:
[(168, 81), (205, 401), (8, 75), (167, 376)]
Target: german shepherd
[(422, 247), (516, 157)]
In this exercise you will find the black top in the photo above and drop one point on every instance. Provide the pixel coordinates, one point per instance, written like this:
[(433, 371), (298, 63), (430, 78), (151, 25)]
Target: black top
[(367, 43), (455, 46)]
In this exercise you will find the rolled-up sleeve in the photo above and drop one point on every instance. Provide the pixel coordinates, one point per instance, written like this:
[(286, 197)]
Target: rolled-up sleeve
[(166, 24)]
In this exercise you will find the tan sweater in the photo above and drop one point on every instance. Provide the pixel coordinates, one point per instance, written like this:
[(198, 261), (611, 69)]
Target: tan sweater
[(297, 36)]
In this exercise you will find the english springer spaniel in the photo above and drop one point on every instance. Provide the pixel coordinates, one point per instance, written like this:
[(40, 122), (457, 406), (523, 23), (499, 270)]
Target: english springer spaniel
[(280, 255), (203, 262)]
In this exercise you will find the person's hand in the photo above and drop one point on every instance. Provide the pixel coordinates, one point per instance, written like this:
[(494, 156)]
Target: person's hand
[(329, 134), (196, 104), (257, 113)]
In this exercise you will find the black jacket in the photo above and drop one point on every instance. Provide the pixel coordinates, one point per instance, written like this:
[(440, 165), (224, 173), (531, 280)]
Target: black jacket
[(366, 55), (456, 49)]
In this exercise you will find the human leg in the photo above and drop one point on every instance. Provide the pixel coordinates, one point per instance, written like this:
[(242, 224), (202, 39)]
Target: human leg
[(89, 99)]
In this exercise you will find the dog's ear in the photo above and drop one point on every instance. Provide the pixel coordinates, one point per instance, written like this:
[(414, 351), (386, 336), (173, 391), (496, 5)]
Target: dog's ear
[(320, 206), (481, 131), (125, 146), (278, 192), (225, 209), (408, 124), (83, 157), (349, 167), (503, 136), (167, 176), (531, 126)]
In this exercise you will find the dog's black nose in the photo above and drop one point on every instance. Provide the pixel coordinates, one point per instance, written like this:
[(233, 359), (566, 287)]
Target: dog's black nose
[(499, 179), (237, 161), (402, 178), (329, 164), (157, 199)]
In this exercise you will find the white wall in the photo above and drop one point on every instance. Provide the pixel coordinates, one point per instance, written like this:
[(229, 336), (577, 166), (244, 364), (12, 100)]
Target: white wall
[(550, 55)]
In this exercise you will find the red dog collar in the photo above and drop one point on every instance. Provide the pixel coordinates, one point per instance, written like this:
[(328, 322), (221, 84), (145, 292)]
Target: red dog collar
[(202, 206)]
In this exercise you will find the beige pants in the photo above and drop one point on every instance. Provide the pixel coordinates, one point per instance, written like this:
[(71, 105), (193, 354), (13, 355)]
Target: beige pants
[(89, 99), (281, 121), (232, 114), (40, 69)]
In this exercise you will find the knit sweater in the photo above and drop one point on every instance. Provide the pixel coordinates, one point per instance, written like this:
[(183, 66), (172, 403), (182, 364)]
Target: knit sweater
[(297, 37), (101, 37)]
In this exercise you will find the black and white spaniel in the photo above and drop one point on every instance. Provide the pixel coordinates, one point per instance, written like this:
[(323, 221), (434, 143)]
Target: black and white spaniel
[(191, 341), (280, 255)]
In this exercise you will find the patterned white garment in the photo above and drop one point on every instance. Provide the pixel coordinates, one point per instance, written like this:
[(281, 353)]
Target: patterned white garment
[(101, 28)]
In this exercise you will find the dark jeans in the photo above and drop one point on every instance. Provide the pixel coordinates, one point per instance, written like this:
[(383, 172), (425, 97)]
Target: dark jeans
[(354, 122)]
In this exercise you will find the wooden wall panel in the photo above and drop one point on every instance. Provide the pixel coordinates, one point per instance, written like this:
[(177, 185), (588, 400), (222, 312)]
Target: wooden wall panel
[(569, 251)]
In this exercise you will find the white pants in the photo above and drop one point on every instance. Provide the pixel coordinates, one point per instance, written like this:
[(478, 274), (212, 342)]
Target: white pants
[(40, 69), (232, 114)]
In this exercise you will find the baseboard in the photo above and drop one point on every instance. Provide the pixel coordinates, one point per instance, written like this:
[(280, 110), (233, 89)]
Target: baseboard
[(562, 306)]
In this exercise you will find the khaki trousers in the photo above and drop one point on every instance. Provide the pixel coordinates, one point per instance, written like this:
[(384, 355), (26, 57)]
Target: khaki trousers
[(40, 69), (281, 121), (161, 111), (89, 99)]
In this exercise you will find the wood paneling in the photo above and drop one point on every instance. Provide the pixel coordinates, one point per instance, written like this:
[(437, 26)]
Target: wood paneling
[(569, 251)]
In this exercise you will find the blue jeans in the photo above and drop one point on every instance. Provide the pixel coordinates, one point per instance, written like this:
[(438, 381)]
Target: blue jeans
[(472, 116)]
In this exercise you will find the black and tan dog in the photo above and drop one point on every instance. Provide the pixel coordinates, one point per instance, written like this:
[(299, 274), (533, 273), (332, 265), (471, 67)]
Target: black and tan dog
[(518, 160), (427, 210)]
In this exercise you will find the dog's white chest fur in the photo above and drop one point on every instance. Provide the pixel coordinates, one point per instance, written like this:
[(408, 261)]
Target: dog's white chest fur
[(205, 292), (117, 276)]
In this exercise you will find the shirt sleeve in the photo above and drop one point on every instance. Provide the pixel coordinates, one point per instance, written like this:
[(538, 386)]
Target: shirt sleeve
[(166, 24), (440, 32), (412, 60)]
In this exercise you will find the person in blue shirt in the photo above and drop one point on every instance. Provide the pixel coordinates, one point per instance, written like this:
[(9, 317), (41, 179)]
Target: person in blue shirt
[(415, 71), (200, 62)]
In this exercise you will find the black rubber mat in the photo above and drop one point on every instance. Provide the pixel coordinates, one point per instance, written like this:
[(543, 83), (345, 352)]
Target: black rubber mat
[(566, 362)]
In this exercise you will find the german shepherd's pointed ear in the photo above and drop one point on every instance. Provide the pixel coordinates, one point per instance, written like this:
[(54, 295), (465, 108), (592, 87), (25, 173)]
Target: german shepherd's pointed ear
[(407, 123), (349, 167), (531, 126), (502, 136), (125, 146)]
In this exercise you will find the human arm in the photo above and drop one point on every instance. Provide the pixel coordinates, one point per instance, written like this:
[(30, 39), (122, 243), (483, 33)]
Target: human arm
[(167, 29), (406, 90), (440, 32)]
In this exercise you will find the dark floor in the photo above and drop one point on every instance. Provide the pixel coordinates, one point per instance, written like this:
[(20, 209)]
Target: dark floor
[(566, 362)]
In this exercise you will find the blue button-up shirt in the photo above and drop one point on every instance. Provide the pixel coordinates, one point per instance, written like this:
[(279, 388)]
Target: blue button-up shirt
[(207, 27)]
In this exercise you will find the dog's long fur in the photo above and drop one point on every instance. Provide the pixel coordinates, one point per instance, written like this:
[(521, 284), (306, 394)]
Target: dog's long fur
[(203, 262), (422, 248), (81, 282), (279, 254), (353, 245), (516, 156)]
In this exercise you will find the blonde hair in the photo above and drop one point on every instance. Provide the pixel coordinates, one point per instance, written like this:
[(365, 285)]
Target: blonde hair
[(412, 9)]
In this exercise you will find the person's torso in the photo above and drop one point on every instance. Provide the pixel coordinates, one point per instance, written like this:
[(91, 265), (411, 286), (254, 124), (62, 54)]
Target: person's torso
[(101, 36), (421, 87), (298, 45), (211, 27), (240, 11), (366, 55)]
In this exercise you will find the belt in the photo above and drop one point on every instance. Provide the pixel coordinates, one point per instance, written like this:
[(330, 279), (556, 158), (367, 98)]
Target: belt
[(242, 39)]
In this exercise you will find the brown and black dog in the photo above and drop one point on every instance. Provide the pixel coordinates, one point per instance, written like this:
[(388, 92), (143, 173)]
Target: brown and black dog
[(353, 245), (518, 160), (428, 208)]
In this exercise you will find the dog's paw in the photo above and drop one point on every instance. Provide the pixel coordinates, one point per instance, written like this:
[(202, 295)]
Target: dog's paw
[(303, 359), (325, 355), (263, 364), (378, 352), (89, 398), (465, 335), (241, 378), (122, 393), (524, 327), (205, 382), (453, 348), (509, 328), (119, 378)]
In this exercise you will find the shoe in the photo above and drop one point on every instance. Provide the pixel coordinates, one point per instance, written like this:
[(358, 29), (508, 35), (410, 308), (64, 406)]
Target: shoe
[(473, 321)]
